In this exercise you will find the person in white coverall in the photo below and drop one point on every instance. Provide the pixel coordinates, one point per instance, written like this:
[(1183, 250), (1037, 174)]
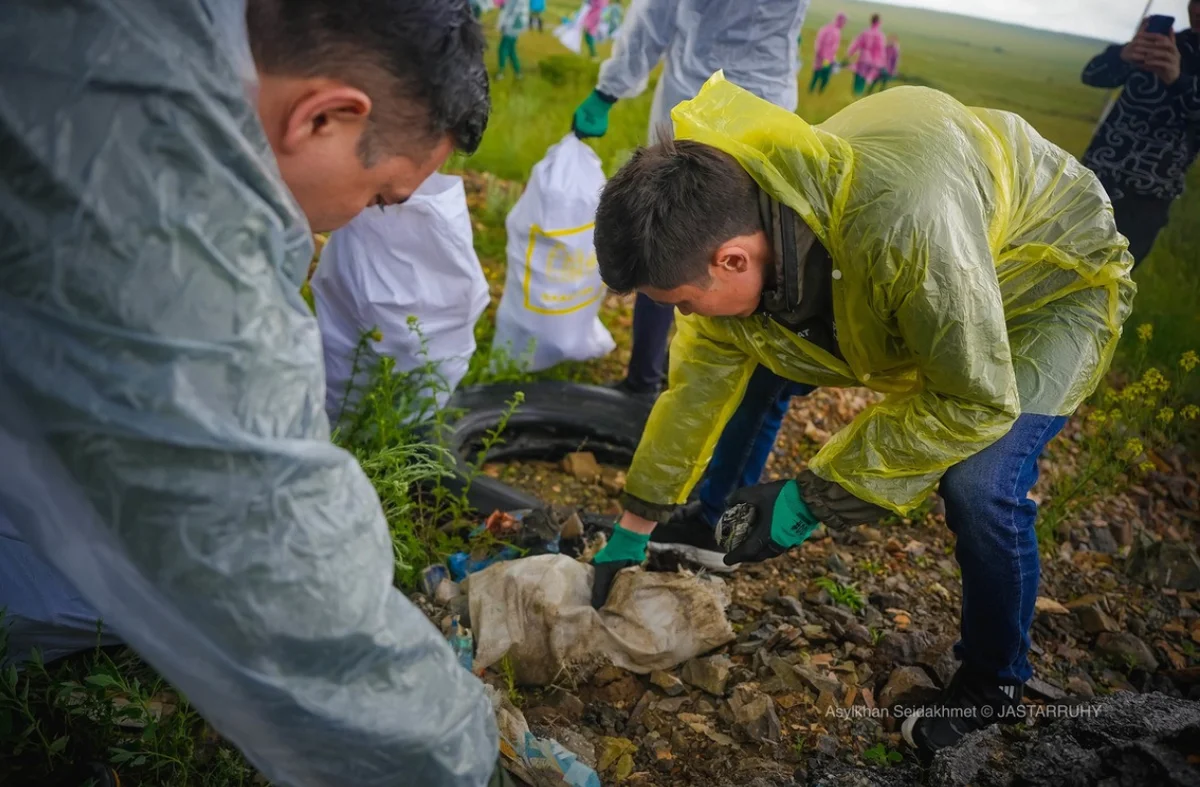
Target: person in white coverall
[(756, 44), (167, 466)]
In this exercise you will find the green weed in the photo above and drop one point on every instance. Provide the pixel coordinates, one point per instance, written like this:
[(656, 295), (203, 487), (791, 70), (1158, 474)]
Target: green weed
[(847, 595), (882, 756)]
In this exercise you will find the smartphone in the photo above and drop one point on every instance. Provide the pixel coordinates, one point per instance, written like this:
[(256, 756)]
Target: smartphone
[(1160, 24)]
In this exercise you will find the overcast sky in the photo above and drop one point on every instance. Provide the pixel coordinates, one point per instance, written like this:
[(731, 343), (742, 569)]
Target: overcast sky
[(1112, 20)]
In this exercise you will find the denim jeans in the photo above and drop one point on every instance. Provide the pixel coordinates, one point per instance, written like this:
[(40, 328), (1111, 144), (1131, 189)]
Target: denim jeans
[(989, 510), (741, 454), (648, 356)]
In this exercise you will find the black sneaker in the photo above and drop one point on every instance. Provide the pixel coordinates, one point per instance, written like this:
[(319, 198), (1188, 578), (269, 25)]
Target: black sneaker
[(689, 536), (644, 394), (971, 702)]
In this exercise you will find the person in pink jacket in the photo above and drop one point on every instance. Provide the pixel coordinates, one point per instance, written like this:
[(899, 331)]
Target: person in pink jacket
[(891, 63), (870, 46), (829, 40), (591, 23)]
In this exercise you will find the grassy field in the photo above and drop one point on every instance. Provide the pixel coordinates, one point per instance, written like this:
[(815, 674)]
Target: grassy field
[(113, 708)]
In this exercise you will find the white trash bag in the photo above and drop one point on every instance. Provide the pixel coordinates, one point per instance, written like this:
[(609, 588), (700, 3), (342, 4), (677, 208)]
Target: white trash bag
[(553, 291), (570, 32), (414, 260)]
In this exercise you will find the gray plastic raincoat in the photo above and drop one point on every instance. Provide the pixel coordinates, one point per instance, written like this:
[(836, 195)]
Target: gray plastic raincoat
[(978, 274), (756, 43), (162, 434)]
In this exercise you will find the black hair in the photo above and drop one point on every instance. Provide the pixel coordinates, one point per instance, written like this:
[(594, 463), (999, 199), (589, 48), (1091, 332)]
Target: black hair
[(665, 213), (874, 19), (420, 61)]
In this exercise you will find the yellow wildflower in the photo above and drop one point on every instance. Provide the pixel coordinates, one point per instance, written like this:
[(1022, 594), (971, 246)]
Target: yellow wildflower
[(376, 335), (1166, 415), (1097, 417), (1190, 412), (1189, 360), (1133, 449), (1145, 332), (1146, 467)]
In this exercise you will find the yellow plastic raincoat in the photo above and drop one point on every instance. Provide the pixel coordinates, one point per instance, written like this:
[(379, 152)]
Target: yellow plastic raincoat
[(978, 274)]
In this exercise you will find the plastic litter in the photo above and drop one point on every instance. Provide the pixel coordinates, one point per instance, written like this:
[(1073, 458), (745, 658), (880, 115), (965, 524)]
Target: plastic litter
[(462, 643), (538, 612), (543, 762)]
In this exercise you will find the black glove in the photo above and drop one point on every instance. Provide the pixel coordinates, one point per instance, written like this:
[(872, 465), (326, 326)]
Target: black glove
[(833, 505), (779, 520), (623, 550)]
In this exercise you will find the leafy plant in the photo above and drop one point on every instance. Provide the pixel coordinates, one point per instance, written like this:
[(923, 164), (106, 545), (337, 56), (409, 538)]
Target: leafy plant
[(847, 595), (1123, 432), (873, 567), (508, 671), (882, 756)]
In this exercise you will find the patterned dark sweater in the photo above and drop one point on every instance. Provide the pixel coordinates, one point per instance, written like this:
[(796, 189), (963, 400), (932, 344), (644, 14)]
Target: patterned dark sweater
[(1151, 136)]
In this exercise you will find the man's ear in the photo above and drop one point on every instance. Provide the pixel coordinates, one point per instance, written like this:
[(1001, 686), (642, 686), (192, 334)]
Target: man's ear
[(324, 111), (731, 257)]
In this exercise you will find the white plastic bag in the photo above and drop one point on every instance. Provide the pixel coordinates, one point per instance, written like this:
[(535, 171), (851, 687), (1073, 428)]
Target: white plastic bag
[(553, 291), (417, 260), (570, 32)]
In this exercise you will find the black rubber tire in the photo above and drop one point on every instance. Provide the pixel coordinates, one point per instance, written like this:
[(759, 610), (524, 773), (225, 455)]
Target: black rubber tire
[(554, 419)]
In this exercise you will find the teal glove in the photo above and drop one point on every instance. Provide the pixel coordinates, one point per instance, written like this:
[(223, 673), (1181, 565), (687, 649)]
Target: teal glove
[(624, 549), (591, 118), (782, 520)]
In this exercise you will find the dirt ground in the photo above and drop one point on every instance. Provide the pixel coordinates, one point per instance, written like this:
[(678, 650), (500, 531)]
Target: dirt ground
[(866, 619)]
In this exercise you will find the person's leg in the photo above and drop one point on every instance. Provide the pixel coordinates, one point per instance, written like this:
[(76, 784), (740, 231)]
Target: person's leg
[(1140, 219), (816, 77), (825, 74), (502, 54), (647, 360), (989, 509), (860, 84), (513, 58), (747, 440), (591, 43), (42, 610)]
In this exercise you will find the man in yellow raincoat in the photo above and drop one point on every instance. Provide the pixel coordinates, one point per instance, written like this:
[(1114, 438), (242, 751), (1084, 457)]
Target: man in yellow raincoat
[(948, 257)]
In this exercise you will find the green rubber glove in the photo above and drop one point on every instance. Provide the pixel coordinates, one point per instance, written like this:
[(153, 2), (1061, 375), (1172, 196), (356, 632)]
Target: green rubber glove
[(624, 549), (782, 520), (591, 118)]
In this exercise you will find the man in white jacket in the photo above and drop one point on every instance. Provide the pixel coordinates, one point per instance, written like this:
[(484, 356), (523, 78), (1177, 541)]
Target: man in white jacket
[(166, 457)]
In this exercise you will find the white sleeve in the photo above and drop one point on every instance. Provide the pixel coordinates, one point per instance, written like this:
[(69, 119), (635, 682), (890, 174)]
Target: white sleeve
[(639, 45)]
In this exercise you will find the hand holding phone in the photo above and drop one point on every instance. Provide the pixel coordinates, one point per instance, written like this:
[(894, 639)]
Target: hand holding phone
[(1159, 24)]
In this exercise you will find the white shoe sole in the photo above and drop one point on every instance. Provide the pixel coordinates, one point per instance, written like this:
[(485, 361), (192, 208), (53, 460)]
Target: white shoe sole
[(906, 729), (713, 561)]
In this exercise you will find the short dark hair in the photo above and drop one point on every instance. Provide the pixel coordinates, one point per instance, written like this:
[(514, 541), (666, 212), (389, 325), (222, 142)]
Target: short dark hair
[(420, 61), (665, 213), (874, 18)]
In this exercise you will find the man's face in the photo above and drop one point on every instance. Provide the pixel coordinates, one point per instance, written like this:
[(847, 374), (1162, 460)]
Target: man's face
[(316, 126), (736, 277), (1194, 14), (332, 184)]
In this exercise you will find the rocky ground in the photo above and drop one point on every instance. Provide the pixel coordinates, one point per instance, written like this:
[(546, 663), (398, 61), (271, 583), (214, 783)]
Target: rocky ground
[(862, 621)]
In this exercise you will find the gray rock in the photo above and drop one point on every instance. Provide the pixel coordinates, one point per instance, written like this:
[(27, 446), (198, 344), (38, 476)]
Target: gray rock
[(1165, 564), (1093, 619), (819, 681), (939, 659), (887, 600), (827, 745), (1079, 687), (671, 685), (903, 647), (1127, 647), (837, 565), (710, 674), (1102, 540), (858, 634), (754, 713), (792, 605), (1041, 689), (1125, 740), (907, 686), (872, 617), (832, 614)]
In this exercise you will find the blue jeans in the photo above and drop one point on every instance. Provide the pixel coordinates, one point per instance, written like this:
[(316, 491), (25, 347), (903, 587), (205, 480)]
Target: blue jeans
[(648, 356), (741, 453), (989, 510)]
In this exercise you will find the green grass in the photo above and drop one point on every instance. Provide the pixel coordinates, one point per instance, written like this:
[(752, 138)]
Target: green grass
[(108, 705)]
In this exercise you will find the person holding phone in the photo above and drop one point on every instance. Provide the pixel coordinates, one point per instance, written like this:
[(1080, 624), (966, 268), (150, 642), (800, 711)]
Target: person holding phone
[(1142, 150)]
